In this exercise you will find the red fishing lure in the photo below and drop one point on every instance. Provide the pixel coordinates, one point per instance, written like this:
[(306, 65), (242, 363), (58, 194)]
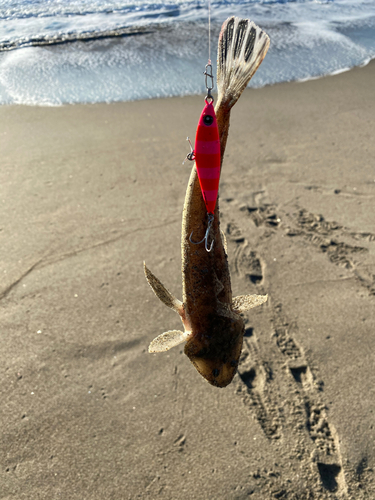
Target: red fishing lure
[(207, 156)]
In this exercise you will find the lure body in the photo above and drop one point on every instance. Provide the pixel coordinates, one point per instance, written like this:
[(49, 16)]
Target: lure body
[(207, 156)]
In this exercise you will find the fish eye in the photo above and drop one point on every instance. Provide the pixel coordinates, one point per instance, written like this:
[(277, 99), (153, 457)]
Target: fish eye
[(208, 119)]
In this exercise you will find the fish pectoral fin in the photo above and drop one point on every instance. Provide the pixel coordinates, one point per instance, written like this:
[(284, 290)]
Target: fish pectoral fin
[(162, 293), (243, 303), (167, 340)]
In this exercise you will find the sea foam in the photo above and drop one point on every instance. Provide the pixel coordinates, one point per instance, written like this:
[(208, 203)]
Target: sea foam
[(52, 53)]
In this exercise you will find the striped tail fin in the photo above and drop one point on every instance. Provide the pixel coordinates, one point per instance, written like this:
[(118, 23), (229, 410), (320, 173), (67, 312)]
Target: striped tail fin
[(242, 47)]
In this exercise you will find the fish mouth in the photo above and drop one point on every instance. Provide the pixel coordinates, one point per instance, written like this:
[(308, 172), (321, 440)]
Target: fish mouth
[(217, 372)]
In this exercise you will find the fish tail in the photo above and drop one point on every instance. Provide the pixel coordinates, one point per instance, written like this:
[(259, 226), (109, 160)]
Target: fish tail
[(242, 48)]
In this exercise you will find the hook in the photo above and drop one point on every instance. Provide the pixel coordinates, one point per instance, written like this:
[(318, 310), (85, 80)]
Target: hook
[(190, 156), (205, 239)]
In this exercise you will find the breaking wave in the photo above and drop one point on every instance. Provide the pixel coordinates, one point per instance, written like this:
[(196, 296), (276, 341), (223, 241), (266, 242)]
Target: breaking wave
[(57, 52)]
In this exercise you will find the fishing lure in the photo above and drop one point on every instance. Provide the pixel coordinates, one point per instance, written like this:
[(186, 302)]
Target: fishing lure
[(207, 156)]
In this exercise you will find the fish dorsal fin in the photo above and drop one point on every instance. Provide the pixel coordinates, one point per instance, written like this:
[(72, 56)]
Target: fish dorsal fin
[(167, 340), (243, 303), (226, 311), (224, 240), (161, 292)]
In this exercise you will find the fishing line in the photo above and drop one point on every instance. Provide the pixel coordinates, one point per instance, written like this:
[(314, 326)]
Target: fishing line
[(209, 31), (209, 78)]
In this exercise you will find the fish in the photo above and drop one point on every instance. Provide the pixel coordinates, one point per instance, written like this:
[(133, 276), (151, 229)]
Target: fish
[(212, 319)]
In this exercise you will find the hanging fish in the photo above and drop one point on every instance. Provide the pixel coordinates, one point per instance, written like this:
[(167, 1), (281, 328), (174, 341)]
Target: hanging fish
[(211, 317)]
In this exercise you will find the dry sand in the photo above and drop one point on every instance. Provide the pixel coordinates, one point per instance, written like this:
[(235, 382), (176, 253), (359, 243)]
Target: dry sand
[(87, 194)]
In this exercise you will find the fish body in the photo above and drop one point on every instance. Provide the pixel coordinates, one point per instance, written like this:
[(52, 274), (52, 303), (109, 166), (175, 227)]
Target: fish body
[(207, 156), (213, 325)]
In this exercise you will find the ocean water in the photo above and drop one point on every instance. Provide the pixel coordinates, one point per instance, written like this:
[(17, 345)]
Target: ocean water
[(54, 52)]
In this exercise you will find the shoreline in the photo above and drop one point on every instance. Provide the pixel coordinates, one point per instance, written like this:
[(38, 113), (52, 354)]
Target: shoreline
[(370, 61)]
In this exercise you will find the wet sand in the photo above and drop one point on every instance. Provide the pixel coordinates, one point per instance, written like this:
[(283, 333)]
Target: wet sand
[(90, 191)]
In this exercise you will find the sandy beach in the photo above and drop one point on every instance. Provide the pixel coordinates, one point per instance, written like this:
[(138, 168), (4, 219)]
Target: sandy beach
[(89, 192)]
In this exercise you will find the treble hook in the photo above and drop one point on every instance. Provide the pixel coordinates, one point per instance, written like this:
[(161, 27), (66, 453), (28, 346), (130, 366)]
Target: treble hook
[(190, 156), (205, 239)]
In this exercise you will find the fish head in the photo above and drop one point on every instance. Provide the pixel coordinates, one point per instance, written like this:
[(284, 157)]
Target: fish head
[(215, 350)]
